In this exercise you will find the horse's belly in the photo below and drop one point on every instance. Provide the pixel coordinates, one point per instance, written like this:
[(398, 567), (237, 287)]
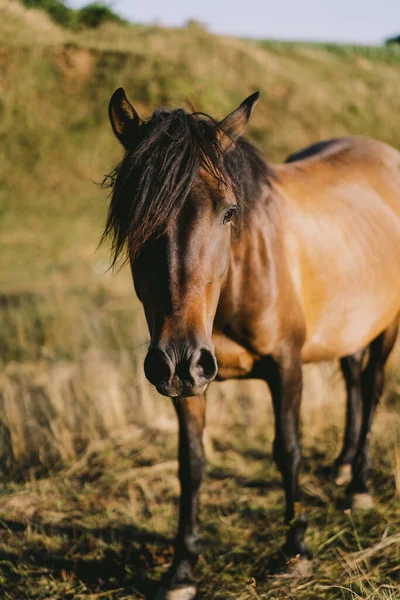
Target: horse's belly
[(350, 284), (351, 323)]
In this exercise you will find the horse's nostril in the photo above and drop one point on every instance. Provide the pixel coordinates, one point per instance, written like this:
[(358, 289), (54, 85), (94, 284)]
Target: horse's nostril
[(157, 366), (183, 378), (206, 364), (183, 370)]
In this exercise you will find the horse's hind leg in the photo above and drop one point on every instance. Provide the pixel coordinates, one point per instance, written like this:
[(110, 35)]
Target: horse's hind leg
[(372, 381), (352, 368)]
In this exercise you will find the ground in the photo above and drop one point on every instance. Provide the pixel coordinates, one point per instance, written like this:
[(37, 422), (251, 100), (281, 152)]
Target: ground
[(104, 527)]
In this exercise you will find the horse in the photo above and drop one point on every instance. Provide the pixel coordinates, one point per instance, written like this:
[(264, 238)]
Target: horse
[(249, 270)]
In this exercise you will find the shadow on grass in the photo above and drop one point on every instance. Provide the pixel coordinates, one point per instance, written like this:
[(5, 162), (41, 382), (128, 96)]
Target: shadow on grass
[(140, 552), (219, 473)]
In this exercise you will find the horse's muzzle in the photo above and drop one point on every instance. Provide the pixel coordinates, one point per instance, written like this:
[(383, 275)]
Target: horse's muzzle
[(187, 377)]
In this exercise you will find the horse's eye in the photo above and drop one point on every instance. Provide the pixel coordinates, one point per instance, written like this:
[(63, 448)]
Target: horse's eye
[(229, 215)]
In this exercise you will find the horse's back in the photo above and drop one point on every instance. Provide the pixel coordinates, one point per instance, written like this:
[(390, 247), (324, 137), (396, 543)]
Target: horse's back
[(342, 232), (364, 159), (319, 150)]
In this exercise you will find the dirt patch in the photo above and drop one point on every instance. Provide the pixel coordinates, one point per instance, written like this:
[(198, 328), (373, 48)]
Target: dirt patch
[(76, 66)]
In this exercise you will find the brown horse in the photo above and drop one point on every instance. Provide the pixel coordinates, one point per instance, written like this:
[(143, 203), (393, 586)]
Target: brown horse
[(248, 270)]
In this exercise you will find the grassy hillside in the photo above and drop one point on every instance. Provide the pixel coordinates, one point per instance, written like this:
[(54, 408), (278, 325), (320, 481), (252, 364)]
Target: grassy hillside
[(72, 336)]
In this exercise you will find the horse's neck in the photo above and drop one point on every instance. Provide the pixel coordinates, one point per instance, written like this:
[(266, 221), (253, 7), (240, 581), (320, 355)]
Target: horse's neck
[(256, 262)]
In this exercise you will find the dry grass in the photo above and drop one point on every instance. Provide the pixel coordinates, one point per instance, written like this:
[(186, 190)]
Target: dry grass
[(87, 449), (106, 524)]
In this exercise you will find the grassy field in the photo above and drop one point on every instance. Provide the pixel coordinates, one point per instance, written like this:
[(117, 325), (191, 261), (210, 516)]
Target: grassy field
[(87, 448)]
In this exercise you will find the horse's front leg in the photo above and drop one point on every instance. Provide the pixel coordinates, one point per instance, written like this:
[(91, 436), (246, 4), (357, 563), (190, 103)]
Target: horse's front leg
[(179, 583), (284, 376)]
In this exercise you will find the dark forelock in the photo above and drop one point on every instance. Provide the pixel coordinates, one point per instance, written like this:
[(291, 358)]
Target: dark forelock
[(150, 185)]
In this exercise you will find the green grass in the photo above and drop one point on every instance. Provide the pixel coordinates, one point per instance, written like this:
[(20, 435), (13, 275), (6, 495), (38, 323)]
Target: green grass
[(389, 54), (81, 431)]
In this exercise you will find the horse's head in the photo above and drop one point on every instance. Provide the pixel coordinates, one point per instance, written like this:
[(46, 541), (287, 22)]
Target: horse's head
[(175, 198)]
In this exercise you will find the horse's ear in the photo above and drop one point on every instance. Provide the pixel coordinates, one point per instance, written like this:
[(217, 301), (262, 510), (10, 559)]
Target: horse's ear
[(234, 124), (123, 117)]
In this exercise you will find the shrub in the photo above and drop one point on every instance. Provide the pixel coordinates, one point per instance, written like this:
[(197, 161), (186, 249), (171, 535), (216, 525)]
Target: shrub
[(91, 16), (58, 11), (393, 40), (96, 14)]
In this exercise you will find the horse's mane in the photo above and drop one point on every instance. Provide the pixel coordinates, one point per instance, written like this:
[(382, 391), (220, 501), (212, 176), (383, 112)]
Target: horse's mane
[(151, 183)]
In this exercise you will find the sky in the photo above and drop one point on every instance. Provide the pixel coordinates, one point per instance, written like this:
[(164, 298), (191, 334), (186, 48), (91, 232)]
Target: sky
[(352, 21)]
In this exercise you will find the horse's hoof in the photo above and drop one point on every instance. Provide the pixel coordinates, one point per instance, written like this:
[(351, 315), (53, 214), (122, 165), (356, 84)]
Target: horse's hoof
[(299, 567), (184, 593), (344, 475), (362, 502)]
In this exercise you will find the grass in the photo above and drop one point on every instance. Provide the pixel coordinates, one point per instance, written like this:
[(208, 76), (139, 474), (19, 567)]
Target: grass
[(87, 454), (106, 524), (388, 55)]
